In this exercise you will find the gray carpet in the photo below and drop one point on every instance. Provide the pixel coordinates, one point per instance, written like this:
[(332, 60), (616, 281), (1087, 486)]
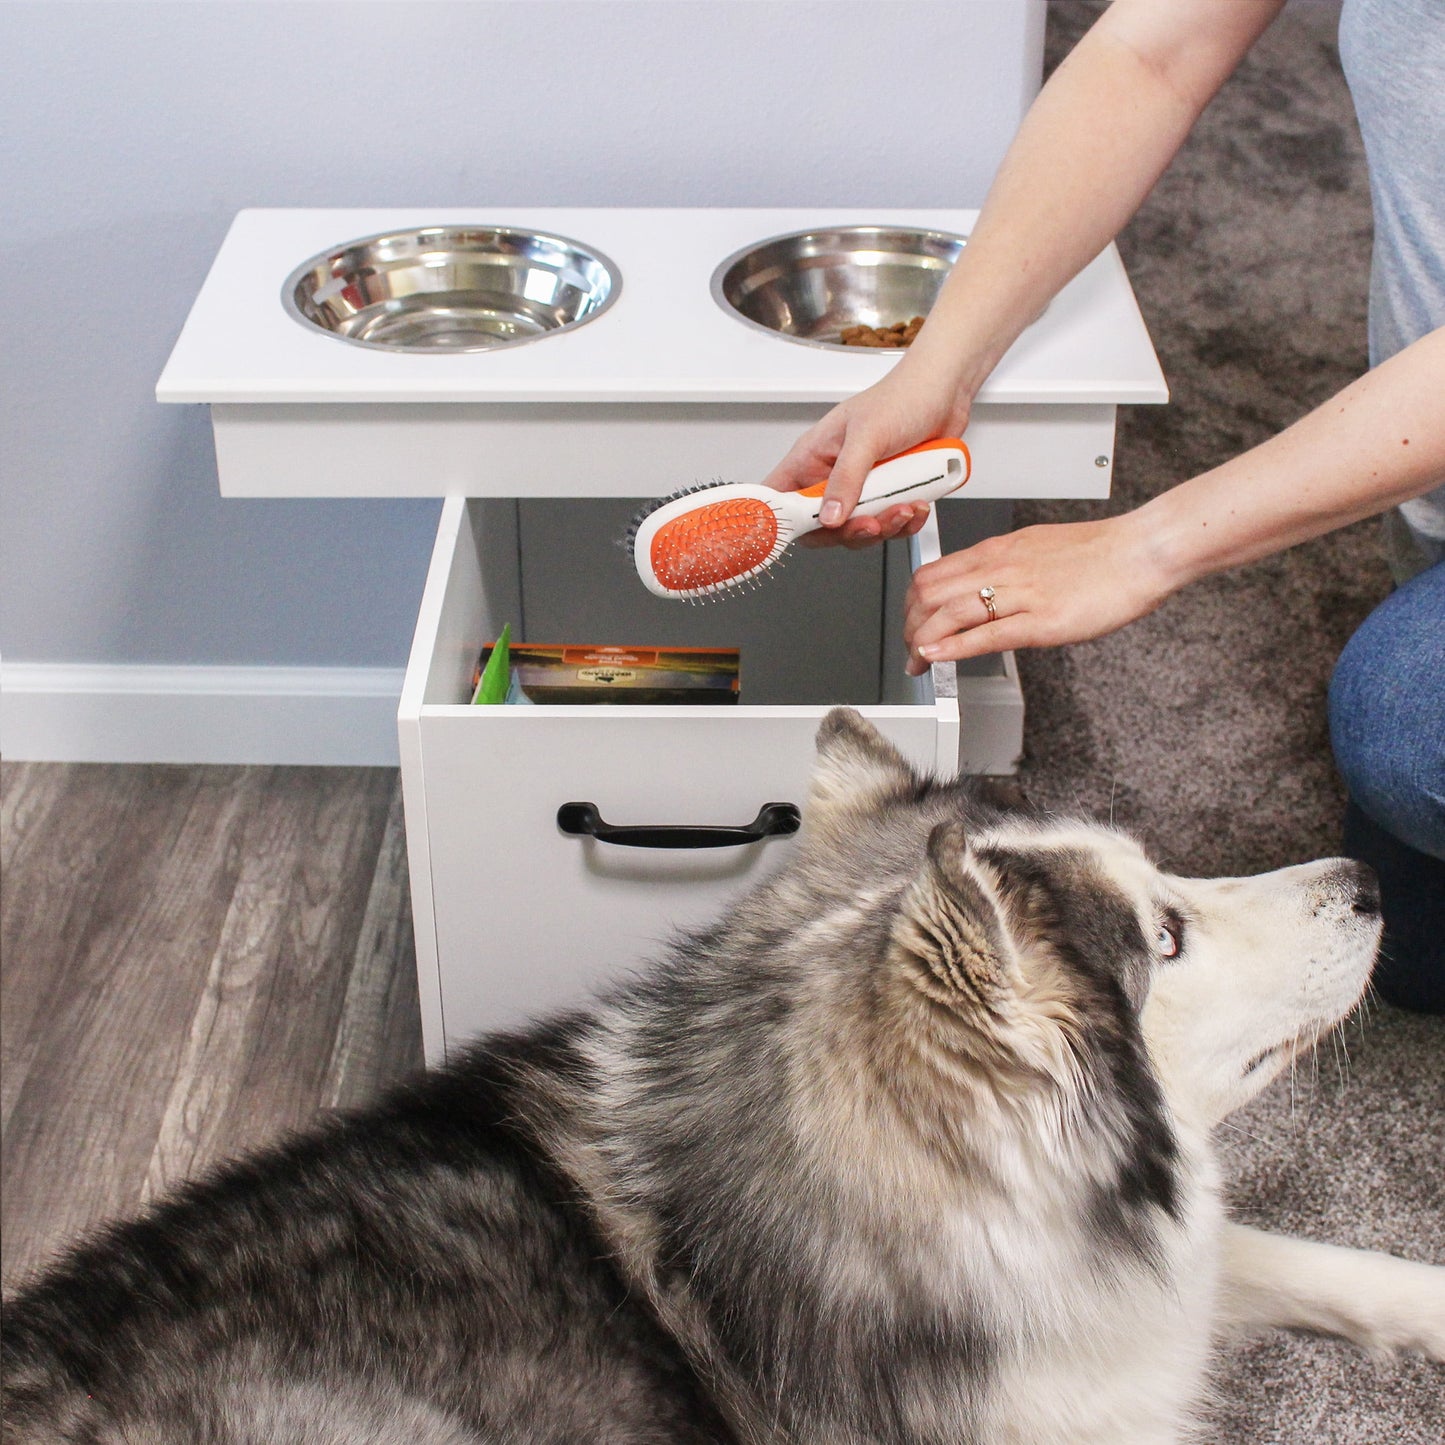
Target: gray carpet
[(1202, 727)]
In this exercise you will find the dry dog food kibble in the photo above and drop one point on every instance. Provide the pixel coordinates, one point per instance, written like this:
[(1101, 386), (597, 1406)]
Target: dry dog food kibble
[(899, 334)]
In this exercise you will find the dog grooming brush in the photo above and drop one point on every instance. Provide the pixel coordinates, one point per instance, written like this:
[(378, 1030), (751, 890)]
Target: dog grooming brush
[(712, 539)]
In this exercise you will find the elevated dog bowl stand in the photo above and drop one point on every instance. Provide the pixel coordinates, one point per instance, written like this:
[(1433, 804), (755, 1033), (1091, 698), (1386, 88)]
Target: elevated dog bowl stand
[(541, 451)]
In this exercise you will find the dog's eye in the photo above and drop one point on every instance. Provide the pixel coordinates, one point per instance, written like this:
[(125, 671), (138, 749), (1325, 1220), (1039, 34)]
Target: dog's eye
[(1168, 940)]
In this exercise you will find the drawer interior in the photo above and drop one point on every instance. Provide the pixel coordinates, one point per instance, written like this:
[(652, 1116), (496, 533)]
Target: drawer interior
[(823, 628)]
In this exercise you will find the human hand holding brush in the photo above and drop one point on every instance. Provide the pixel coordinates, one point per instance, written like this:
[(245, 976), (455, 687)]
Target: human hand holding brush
[(913, 404), (1043, 571)]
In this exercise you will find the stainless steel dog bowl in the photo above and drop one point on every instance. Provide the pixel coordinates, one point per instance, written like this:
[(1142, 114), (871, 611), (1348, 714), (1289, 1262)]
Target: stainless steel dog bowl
[(451, 288), (808, 286)]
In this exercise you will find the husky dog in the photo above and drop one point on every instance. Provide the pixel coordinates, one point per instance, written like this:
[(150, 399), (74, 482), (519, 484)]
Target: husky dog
[(912, 1146)]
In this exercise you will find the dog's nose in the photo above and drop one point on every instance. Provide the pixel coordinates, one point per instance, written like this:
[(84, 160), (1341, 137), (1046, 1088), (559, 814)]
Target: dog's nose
[(1366, 889)]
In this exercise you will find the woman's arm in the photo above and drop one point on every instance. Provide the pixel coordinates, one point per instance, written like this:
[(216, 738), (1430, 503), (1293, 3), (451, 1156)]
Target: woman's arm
[(1378, 442), (1089, 150)]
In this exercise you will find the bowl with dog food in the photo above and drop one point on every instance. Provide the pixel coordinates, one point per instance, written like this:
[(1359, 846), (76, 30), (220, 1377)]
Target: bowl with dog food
[(451, 288), (844, 288)]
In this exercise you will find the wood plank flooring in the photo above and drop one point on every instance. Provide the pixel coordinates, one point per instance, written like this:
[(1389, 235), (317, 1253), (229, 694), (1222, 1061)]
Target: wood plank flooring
[(195, 960)]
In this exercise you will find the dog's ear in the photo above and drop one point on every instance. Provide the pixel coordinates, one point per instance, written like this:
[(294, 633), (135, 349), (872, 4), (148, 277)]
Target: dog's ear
[(949, 929), (856, 767)]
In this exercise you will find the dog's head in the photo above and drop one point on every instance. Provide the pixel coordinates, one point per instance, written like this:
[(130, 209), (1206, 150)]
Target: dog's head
[(1035, 959), (943, 1011)]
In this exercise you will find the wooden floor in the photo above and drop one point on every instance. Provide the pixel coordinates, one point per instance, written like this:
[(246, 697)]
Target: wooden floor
[(195, 959)]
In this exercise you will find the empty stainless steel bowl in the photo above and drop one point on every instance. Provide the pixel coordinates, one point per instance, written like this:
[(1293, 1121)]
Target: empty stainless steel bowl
[(808, 286), (451, 288)]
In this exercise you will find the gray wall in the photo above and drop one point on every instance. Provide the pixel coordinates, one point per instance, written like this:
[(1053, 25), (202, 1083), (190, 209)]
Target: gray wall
[(133, 133)]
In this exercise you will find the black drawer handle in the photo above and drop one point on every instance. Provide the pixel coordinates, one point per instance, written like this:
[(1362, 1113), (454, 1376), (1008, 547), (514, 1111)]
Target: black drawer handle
[(773, 820)]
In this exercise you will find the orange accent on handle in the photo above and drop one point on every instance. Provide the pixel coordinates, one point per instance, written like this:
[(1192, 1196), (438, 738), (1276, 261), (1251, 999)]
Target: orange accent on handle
[(937, 442)]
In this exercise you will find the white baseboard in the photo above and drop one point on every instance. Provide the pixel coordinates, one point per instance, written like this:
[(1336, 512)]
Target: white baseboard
[(60, 712)]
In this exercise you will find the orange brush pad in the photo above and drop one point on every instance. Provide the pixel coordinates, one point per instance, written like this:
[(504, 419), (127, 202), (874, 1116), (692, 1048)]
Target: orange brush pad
[(714, 544)]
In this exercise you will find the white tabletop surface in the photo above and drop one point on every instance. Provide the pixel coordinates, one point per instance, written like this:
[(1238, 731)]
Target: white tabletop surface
[(665, 339)]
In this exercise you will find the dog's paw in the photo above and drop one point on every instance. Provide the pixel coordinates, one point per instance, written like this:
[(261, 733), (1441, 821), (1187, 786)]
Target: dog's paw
[(1404, 1308), (1376, 1301)]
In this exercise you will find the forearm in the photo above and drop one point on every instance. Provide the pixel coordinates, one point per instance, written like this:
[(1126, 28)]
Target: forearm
[(1375, 444), (1090, 149)]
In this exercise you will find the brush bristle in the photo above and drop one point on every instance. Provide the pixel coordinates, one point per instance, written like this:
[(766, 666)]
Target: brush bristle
[(648, 508), (747, 582), (714, 545)]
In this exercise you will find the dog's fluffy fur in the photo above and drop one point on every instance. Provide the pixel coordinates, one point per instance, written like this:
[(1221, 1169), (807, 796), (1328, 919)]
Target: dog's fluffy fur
[(912, 1146)]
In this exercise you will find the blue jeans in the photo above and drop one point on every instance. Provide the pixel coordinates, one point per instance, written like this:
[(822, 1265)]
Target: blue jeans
[(1387, 724)]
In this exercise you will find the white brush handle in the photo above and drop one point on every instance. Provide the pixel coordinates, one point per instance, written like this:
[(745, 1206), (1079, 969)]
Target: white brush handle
[(922, 475)]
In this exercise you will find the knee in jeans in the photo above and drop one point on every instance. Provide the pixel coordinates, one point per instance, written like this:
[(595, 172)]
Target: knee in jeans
[(1387, 748), (1387, 713), (1377, 740), (1362, 732)]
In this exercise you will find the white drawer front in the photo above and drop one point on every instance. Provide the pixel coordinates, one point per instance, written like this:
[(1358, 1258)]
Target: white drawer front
[(528, 917)]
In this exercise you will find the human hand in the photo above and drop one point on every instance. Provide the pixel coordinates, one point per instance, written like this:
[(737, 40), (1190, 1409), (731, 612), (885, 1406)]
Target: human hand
[(1051, 585), (907, 407)]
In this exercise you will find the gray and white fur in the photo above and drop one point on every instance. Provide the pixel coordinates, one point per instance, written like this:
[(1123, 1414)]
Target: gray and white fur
[(912, 1145)]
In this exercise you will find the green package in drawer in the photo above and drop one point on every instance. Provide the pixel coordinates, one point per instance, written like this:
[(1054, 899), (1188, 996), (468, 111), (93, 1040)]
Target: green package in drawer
[(493, 679), (565, 673)]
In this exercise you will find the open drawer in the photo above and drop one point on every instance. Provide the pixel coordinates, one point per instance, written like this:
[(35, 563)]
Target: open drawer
[(513, 915)]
